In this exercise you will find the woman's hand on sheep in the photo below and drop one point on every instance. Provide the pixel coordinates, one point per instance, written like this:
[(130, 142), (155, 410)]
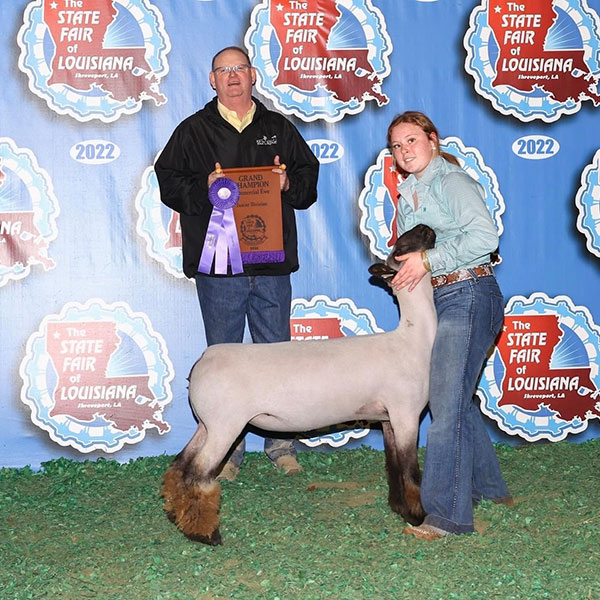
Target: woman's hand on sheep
[(412, 271)]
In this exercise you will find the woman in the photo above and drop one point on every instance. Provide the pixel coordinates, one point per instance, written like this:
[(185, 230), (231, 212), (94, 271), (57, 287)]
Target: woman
[(461, 467)]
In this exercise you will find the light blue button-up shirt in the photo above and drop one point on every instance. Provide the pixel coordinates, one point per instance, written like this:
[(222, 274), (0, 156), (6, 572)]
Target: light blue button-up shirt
[(452, 204)]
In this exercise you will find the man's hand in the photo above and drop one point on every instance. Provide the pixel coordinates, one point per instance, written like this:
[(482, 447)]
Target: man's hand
[(284, 182), (216, 174)]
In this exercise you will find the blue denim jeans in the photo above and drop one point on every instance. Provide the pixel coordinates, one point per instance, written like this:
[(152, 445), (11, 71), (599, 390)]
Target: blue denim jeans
[(265, 300), (461, 466)]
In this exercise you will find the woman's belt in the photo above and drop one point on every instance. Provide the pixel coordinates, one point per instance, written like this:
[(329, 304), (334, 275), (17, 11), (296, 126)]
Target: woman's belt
[(462, 275)]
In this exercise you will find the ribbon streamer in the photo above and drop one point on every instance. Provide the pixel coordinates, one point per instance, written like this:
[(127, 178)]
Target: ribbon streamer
[(221, 242)]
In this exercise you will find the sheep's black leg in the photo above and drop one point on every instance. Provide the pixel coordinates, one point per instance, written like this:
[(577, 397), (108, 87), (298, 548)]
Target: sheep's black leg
[(394, 477), (404, 476)]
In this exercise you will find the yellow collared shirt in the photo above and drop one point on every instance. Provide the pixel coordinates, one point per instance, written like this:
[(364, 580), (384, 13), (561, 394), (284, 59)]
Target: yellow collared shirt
[(231, 116)]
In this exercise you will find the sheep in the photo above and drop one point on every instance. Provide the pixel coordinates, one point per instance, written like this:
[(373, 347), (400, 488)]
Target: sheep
[(302, 386)]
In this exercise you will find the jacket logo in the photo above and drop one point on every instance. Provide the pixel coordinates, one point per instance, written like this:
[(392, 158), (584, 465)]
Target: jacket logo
[(265, 141)]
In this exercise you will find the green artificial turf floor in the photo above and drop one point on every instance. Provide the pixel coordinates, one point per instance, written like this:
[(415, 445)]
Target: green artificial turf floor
[(97, 530)]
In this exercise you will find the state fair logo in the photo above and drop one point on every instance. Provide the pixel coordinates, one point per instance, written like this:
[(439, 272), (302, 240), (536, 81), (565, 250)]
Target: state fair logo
[(378, 198), (542, 380), (535, 59), (319, 59), (159, 226), (97, 376), (28, 212), (94, 59), (588, 204), (320, 319)]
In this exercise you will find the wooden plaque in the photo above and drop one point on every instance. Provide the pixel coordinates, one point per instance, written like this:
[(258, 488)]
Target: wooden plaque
[(257, 214)]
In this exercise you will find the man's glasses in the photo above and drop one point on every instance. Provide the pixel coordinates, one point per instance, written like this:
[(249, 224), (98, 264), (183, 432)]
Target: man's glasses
[(235, 69)]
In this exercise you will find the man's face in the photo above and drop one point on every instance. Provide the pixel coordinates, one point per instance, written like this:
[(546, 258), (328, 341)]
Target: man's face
[(232, 86)]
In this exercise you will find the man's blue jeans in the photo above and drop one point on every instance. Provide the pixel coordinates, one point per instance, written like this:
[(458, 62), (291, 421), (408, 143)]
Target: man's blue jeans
[(461, 466), (265, 301)]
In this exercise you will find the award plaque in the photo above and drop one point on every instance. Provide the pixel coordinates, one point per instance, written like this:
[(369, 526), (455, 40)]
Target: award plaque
[(257, 214)]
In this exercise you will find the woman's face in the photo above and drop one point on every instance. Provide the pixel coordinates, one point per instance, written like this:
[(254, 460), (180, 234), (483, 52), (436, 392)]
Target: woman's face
[(412, 148)]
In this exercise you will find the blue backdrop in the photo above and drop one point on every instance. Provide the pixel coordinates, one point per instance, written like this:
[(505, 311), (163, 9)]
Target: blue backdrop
[(99, 328)]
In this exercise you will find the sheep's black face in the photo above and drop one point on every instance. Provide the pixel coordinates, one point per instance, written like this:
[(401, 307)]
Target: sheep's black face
[(416, 239), (382, 271)]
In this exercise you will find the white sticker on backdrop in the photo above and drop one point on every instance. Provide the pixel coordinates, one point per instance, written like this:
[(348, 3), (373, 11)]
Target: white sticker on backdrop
[(326, 151), (95, 152), (535, 147)]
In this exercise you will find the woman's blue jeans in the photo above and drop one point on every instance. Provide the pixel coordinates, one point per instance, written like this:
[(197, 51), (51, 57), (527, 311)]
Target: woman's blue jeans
[(265, 300), (461, 466)]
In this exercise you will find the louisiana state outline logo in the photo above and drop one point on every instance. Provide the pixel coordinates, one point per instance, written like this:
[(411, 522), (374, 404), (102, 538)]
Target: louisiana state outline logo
[(94, 59), (319, 59), (378, 198), (320, 319), (159, 226), (97, 376), (535, 59), (542, 380), (28, 212), (588, 205)]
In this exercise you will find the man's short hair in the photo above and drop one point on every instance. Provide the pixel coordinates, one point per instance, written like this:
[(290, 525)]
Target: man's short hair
[(236, 48)]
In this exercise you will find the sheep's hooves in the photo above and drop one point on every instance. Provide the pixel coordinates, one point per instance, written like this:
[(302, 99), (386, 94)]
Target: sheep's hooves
[(214, 539), (414, 519), (170, 515), (396, 507)]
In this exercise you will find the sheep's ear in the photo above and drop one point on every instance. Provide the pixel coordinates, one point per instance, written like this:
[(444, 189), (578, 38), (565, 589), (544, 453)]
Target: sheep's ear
[(382, 271)]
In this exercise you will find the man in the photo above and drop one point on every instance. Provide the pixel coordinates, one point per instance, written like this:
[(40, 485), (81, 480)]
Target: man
[(231, 131)]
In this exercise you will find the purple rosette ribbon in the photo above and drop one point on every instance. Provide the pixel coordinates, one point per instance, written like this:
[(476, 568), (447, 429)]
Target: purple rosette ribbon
[(221, 243)]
